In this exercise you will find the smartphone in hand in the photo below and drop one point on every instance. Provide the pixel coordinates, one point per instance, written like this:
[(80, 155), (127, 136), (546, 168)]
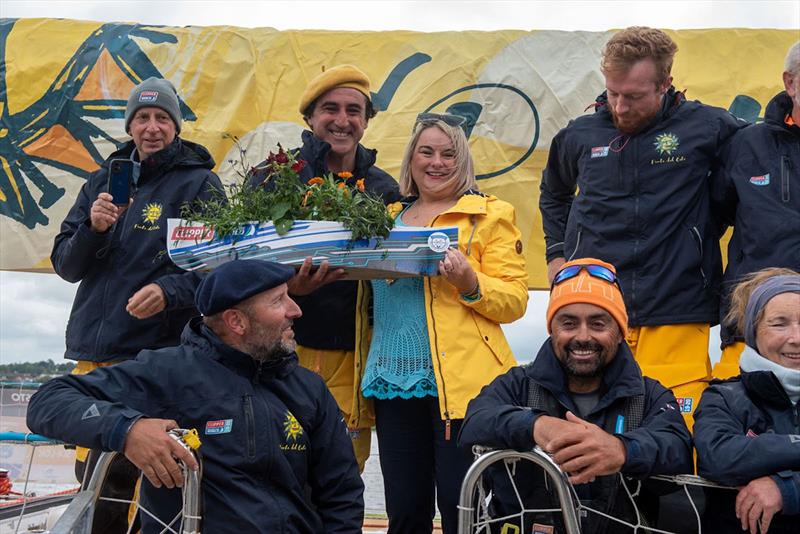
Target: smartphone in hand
[(120, 178)]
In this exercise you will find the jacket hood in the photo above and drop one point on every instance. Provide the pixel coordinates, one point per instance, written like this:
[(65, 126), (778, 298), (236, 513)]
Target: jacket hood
[(206, 342), (777, 109), (317, 150), (621, 377)]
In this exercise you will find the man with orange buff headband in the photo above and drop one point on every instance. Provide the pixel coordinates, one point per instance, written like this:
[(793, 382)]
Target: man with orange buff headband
[(584, 401)]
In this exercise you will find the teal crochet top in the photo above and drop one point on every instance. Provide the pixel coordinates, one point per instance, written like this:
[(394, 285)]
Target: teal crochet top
[(399, 362)]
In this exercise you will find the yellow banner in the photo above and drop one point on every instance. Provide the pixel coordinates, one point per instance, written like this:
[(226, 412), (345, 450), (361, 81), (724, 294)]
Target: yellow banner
[(65, 84)]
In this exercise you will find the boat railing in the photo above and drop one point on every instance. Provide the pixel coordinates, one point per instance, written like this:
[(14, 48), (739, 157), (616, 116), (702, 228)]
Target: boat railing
[(77, 518), (477, 516)]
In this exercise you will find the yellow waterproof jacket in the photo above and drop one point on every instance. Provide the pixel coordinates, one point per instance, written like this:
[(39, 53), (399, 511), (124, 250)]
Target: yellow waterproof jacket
[(468, 346)]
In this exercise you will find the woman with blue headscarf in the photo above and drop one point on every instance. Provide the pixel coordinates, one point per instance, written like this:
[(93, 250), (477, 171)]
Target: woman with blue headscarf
[(747, 429)]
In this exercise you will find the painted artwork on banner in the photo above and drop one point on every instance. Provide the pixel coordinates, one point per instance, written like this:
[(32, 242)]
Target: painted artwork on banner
[(64, 86)]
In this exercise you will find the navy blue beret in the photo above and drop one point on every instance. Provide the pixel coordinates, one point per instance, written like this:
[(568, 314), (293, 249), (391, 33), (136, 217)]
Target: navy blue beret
[(237, 280)]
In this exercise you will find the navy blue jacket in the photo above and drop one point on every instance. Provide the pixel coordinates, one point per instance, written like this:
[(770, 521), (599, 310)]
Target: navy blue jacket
[(262, 472), (745, 428), (329, 314), (758, 192), (642, 205), (112, 266), (498, 417)]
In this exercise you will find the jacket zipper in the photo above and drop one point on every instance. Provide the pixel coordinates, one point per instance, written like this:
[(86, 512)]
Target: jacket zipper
[(438, 360), (785, 166), (632, 307), (250, 419), (696, 233)]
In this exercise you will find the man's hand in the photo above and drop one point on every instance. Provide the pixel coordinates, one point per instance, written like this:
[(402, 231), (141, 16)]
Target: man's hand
[(104, 213), (547, 428), (147, 302), (553, 266), (304, 282), (757, 503), (151, 449), (586, 451)]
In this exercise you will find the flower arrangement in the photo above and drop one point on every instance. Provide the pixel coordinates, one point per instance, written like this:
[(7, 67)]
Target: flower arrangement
[(281, 197)]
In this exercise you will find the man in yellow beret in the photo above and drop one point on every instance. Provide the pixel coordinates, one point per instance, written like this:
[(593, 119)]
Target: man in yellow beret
[(337, 108)]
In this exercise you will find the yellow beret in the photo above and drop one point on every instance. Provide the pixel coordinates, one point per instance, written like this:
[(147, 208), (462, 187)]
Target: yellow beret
[(339, 76)]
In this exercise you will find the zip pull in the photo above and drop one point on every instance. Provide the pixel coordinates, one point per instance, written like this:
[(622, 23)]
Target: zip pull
[(447, 429)]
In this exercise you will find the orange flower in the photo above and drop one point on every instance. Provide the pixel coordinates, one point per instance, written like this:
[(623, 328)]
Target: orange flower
[(316, 181), (345, 175), (341, 185), (360, 185), (305, 198)]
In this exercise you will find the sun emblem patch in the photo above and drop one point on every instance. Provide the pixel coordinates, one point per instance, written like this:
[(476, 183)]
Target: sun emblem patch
[(666, 143), (151, 213), (292, 427)]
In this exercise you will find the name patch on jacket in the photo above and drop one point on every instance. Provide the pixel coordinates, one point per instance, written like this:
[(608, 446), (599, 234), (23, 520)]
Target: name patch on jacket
[(685, 404), (151, 213), (760, 180), (599, 151), (293, 432), (221, 426)]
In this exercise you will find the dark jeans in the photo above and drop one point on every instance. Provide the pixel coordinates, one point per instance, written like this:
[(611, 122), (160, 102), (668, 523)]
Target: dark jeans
[(120, 482), (418, 464)]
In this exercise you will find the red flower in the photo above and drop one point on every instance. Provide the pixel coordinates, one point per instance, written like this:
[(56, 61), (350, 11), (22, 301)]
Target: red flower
[(281, 157), (298, 165)]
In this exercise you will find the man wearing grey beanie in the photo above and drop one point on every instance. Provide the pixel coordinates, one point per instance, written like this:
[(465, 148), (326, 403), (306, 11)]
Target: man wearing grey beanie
[(131, 296)]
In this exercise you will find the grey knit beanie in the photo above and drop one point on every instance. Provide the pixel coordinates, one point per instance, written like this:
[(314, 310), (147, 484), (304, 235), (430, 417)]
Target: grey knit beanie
[(154, 92)]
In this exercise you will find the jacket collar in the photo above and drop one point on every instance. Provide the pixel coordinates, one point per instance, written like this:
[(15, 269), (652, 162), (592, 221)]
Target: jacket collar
[(670, 102), (777, 109), (179, 153), (622, 377), (765, 386), (198, 334), (473, 202), (315, 151)]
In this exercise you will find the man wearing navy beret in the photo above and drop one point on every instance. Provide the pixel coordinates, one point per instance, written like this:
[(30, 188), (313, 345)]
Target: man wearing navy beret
[(276, 453)]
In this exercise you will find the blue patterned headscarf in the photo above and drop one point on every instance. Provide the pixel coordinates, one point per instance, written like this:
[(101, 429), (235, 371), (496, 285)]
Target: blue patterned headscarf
[(787, 283)]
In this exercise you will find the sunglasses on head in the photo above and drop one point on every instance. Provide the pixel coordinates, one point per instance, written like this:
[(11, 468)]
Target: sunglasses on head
[(594, 270), (447, 118)]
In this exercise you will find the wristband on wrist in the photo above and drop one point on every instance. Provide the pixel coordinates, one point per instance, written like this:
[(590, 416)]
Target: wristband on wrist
[(472, 295)]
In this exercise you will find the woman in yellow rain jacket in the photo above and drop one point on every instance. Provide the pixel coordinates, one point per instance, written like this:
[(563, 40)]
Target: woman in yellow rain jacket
[(437, 340)]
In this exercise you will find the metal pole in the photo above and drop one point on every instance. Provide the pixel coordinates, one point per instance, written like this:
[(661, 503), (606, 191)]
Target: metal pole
[(466, 512)]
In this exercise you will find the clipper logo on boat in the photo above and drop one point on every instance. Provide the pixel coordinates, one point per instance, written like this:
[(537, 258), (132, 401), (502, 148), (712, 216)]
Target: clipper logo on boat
[(438, 242), (148, 96), (760, 180), (599, 151), (685, 404), (222, 426), (192, 233)]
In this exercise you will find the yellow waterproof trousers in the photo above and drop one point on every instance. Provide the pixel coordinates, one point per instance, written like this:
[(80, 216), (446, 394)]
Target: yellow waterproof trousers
[(677, 356), (728, 364), (337, 367)]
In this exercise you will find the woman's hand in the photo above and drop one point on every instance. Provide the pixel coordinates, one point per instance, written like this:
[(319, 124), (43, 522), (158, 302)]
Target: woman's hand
[(757, 503), (456, 269)]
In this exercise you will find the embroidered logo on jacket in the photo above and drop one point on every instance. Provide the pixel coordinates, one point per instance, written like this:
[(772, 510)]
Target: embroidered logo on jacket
[(685, 404), (599, 152), (150, 216), (666, 143), (293, 431), (760, 180), (221, 426)]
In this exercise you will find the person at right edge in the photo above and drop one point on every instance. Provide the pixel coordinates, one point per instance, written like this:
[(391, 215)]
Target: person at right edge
[(641, 165), (758, 192), (747, 429)]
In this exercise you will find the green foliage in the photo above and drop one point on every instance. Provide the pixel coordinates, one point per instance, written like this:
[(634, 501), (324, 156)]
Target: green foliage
[(47, 367), (282, 198)]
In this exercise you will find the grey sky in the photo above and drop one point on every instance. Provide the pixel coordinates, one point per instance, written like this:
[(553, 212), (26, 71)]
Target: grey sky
[(34, 307)]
